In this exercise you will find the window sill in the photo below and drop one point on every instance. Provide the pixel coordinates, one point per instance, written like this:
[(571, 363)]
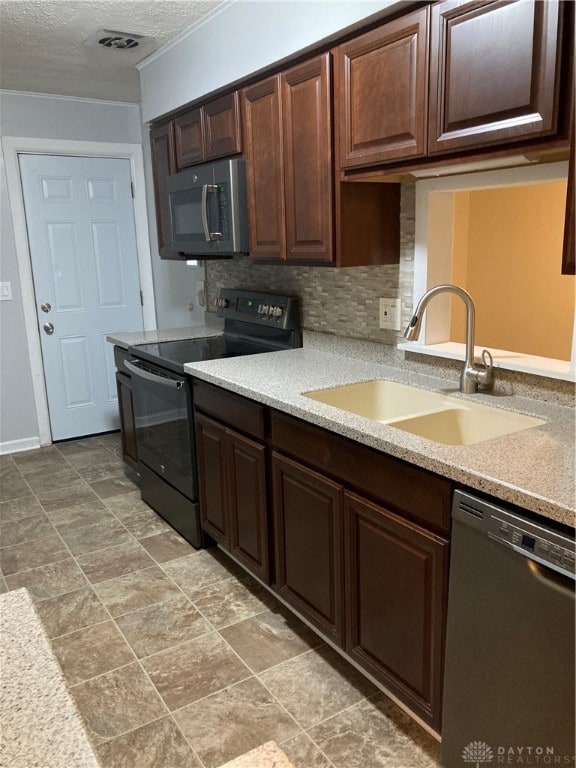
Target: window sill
[(512, 361)]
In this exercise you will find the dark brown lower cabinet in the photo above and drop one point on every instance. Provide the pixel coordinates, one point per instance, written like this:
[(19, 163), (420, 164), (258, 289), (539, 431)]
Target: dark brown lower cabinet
[(396, 588), (232, 478), (126, 409), (355, 541), (212, 477), (248, 507), (126, 413), (308, 544)]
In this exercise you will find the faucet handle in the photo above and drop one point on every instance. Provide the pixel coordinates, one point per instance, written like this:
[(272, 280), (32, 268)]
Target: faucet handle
[(486, 376)]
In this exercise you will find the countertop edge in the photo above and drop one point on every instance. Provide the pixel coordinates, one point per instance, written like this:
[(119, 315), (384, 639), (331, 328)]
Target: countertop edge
[(136, 338)]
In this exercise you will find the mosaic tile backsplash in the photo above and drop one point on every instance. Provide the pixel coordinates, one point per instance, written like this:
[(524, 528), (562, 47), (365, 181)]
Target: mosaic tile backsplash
[(337, 301)]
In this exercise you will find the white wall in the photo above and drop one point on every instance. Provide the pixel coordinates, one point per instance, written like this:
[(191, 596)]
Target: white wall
[(240, 39), (17, 409), (32, 116)]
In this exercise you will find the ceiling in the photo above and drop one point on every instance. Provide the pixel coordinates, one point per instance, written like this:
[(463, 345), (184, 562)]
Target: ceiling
[(42, 43)]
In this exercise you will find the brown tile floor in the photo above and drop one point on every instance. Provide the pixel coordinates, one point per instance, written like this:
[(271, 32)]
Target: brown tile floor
[(176, 657)]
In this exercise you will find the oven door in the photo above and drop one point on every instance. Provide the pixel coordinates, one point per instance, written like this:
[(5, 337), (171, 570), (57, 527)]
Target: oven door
[(162, 414)]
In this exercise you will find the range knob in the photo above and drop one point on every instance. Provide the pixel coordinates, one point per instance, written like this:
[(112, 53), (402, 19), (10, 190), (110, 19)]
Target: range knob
[(265, 309), (278, 311), (221, 302)]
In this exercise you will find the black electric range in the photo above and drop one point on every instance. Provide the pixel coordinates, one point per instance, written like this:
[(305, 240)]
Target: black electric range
[(254, 323)]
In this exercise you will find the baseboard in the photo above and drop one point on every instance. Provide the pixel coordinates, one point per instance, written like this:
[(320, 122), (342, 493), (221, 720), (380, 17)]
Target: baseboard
[(14, 446)]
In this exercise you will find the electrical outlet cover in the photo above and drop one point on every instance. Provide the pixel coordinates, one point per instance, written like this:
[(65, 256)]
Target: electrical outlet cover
[(390, 314)]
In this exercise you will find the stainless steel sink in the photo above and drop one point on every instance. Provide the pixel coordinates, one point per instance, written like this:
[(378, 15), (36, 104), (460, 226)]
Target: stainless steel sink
[(441, 418)]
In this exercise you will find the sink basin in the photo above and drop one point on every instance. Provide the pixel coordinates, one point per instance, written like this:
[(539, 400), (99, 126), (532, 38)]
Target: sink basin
[(466, 425), (379, 400), (432, 415)]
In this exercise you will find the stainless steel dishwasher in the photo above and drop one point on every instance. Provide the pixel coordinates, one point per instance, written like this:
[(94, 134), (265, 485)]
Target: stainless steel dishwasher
[(509, 668)]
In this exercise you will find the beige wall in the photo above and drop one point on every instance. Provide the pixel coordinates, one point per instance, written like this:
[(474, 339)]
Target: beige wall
[(507, 253)]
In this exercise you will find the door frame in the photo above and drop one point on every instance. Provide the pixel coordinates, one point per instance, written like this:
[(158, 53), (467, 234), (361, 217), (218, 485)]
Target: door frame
[(12, 146)]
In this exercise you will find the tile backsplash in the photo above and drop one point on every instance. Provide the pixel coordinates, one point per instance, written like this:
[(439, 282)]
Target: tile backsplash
[(337, 301)]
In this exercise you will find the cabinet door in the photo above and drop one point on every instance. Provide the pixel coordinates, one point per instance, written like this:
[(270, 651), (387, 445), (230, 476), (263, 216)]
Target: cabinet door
[(396, 577), (248, 508), (307, 126), (262, 120), (163, 165), (308, 544), (188, 138), (383, 78), (221, 119), (127, 425), (211, 453), (494, 72)]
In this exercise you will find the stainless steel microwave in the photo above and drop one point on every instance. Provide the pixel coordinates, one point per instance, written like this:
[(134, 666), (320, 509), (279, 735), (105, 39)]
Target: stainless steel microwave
[(208, 210)]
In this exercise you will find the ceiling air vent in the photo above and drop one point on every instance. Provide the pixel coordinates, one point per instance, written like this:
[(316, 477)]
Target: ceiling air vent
[(108, 38)]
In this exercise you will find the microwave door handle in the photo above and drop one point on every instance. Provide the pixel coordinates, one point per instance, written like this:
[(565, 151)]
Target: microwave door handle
[(133, 367), (205, 211), (206, 189)]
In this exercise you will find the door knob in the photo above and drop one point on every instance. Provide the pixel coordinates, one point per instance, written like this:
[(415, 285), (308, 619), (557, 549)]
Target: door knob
[(48, 328), (46, 307)]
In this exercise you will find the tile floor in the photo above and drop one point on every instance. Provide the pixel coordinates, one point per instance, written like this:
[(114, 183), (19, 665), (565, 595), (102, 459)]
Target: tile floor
[(176, 657)]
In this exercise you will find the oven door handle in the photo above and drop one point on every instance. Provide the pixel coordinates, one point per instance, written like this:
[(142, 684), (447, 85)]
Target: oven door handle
[(133, 367)]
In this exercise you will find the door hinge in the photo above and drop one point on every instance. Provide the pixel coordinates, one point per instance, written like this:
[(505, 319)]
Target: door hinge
[(132, 190), (141, 298)]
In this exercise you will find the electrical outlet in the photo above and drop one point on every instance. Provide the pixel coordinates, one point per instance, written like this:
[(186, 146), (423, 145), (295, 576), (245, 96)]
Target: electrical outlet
[(390, 314)]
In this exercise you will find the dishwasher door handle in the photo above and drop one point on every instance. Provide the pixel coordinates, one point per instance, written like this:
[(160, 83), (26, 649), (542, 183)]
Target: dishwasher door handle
[(552, 579)]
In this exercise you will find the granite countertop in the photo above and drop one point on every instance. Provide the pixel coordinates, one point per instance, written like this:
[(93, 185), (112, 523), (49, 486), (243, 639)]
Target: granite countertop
[(134, 338), (533, 468), (40, 725)]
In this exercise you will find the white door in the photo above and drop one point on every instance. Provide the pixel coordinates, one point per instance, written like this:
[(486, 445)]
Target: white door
[(80, 221)]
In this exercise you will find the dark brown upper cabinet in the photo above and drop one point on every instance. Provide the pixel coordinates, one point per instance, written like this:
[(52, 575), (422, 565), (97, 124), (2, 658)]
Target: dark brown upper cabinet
[(494, 72), (163, 165), (382, 92), (208, 132), (188, 138), (308, 171), (297, 211), (288, 143), (262, 120)]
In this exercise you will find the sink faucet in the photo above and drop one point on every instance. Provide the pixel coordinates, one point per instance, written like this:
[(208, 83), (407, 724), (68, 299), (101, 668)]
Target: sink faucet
[(472, 376)]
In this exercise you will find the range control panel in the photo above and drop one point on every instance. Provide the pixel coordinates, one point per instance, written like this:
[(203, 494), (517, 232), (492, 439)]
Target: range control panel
[(261, 308)]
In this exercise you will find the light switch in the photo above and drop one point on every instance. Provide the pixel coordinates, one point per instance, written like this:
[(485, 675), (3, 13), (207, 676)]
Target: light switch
[(5, 291)]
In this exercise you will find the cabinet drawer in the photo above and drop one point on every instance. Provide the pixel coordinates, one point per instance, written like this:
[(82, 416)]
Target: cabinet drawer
[(413, 491), (234, 410)]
